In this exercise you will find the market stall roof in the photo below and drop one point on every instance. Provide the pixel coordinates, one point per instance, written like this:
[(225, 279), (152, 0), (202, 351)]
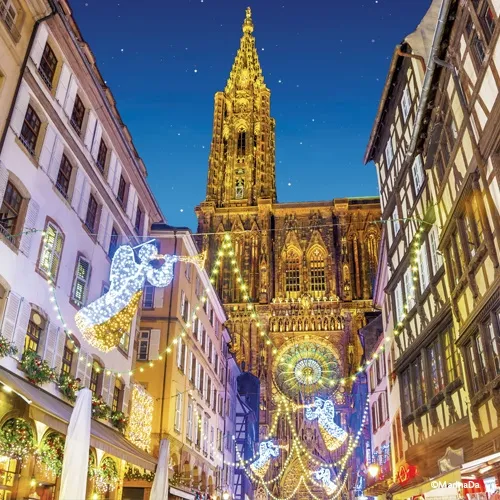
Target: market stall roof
[(55, 413), (475, 465)]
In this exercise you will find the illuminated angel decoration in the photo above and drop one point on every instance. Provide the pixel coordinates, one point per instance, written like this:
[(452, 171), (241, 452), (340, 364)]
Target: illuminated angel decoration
[(267, 451), (324, 410), (104, 321), (324, 476)]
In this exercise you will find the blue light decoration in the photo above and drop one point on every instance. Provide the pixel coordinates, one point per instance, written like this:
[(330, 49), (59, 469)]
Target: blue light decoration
[(324, 411), (324, 476), (267, 451), (104, 321)]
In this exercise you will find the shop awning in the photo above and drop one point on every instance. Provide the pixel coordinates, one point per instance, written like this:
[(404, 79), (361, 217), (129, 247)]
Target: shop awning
[(180, 493), (432, 485), (55, 413)]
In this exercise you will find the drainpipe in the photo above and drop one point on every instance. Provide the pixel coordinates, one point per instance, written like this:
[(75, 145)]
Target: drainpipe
[(168, 337), (420, 59), (478, 157), (52, 13), (429, 75)]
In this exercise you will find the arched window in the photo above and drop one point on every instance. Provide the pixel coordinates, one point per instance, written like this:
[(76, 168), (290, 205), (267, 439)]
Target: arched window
[(240, 189), (242, 139), (317, 279), (96, 378), (34, 332), (292, 273)]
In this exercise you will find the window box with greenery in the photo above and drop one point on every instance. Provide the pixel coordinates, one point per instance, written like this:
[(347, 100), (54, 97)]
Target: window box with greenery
[(69, 387), (99, 408), (37, 371), (119, 420), (6, 348)]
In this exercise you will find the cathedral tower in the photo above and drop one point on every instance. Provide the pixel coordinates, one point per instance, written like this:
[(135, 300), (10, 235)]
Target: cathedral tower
[(241, 164)]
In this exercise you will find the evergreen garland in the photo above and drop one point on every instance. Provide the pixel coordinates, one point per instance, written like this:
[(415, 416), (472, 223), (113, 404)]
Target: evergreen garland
[(37, 371), (51, 453), (69, 387), (135, 474), (6, 348)]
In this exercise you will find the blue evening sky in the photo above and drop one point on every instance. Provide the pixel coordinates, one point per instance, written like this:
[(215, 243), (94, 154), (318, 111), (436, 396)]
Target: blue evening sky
[(325, 62)]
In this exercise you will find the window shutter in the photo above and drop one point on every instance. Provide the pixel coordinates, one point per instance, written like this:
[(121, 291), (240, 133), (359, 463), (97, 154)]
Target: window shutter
[(80, 286), (103, 224), (63, 84), (134, 207), (116, 180), (30, 222), (436, 257), (81, 366), (111, 386), (198, 372), (112, 169), (58, 356), (22, 325), (47, 148), (97, 141), (71, 96), (20, 108), (130, 202), (398, 296), (107, 390), (55, 163), (179, 353), (183, 297), (90, 130), (88, 370), (423, 267), (84, 200), (158, 298), (145, 226), (51, 343), (10, 316), (184, 368), (154, 344), (39, 44), (190, 367), (126, 400), (107, 234), (4, 178), (408, 280), (77, 190)]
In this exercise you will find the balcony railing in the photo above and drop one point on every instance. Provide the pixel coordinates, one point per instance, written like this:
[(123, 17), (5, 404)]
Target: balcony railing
[(9, 22)]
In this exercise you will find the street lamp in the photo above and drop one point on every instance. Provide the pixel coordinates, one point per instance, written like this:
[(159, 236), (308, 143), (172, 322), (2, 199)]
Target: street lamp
[(373, 470), (226, 496)]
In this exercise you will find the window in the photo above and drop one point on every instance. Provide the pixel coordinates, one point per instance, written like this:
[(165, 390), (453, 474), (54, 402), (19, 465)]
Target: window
[(148, 297), (181, 354), (143, 350), (50, 256), (113, 242), (436, 367), (396, 226), (9, 14), (91, 217), (117, 395), (184, 307), (406, 103), (101, 156), (64, 176), (198, 427), (242, 135), (436, 257), (122, 188), (192, 368), (407, 393), (317, 273), (211, 448), (409, 289), (48, 65), (189, 424), (77, 114), (96, 378), (208, 394), (125, 341), (30, 130), (493, 339), (138, 220), (10, 210), (178, 412), (452, 363), (240, 189), (418, 173), (398, 302), (81, 282), (389, 154), (487, 20), (36, 325), (205, 434), (187, 271), (67, 359), (423, 267), (374, 417), (292, 273), (476, 362)]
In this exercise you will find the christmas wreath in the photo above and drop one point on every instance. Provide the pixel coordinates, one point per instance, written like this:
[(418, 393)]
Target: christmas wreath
[(37, 371), (106, 477), (99, 408), (69, 387), (16, 439), (51, 453), (119, 420), (6, 348)]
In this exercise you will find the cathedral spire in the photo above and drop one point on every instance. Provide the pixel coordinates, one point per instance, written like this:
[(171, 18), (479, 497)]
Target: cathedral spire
[(248, 23)]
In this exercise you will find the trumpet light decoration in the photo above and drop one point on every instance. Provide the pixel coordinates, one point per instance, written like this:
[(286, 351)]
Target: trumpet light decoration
[(267, 451), (324, 411)]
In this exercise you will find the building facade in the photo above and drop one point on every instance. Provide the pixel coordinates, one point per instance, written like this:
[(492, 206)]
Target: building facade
[(307, 268), (192, 380), (72, 188), (434, 145)]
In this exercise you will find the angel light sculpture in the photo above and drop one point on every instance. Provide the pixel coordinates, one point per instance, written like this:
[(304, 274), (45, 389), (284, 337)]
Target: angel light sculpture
[(104, 321), (267, 451), (324, 476), (324, 410)]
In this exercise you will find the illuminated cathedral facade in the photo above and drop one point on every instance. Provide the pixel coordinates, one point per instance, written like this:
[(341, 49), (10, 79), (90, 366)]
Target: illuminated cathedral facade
[(309, 267)]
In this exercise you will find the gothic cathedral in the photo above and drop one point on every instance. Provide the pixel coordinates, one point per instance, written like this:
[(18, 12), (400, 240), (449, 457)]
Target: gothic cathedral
[(310, 266)]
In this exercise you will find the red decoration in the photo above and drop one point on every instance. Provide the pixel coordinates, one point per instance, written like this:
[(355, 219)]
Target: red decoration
[(405, 473)]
